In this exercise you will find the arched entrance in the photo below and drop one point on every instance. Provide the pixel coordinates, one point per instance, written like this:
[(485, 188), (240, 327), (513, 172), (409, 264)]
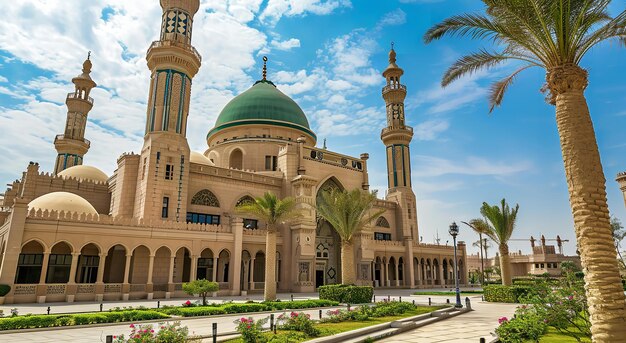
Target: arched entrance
[(328, 245)]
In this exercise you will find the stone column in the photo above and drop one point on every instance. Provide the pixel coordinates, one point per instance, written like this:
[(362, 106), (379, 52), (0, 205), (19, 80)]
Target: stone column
[(419, 273), (101, 261), (171, 275), (441, 275), (126, 283), (149, 284), (373, 272), (252, 274), (237, 230), (194, 268), (387, 283), (395, 265), (44, 267), (214, 271), (409, 270), (74, 266)]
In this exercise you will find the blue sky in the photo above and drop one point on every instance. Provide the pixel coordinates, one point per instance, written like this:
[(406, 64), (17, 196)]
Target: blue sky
[(327, 55)]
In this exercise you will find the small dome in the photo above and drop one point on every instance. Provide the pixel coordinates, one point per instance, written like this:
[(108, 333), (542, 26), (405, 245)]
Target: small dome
[(263, 103), (62, 201), (87, 173), (196, 157)]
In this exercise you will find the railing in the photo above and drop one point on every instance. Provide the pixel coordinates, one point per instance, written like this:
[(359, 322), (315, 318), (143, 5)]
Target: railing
[(79, 97), (393, 86), (159, 288), (224, 285), (138, 288), (395, 128), (25, 289), (85, 140), (55, 289), (182, 45), (113, 288), (86, 288), (325, 156), (178, 287), (259, 285)]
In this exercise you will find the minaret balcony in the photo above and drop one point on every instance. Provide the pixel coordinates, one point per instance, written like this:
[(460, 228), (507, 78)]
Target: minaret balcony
[(79, 97), (175, 43), (394, 86), (397, 129), (62, 137)]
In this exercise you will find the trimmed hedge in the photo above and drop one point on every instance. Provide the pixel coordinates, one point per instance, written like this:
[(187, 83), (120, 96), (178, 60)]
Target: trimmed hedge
[(195, 311), (347, 294), (4, 290), (505, 294), (42, 321)]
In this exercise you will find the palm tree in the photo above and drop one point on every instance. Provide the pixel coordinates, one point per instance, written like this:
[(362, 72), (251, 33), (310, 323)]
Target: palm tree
[(272, 211), (481, 228), (501, 223), (555, 35), (348, 212)]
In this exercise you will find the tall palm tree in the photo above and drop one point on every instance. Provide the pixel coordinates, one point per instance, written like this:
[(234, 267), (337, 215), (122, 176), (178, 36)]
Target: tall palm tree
[(555, 35), (272, 211), (501, 223), (481, 228), (348, 212)]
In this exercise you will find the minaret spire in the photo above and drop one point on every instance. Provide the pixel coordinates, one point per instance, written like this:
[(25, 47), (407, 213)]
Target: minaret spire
[(72, 146), (264, 68)]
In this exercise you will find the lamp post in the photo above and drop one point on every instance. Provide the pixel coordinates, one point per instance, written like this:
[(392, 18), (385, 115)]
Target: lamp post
[(453, 231)]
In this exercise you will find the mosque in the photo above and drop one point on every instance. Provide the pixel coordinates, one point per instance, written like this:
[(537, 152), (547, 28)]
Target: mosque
[(166, 215)]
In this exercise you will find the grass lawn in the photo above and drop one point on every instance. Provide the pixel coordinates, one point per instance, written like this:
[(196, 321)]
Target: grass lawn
[(328, 329), (451, 293), (553, 336)]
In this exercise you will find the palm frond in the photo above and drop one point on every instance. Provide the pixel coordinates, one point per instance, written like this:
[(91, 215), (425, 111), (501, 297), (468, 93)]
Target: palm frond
[(502, 221), (347, 212), (477, 26), (496, 93), (470, 64), (269, 209)]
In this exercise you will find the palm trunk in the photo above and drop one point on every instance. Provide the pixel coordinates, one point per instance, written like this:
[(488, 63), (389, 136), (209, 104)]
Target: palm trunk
[(347, 263), (587, 194), (270, 266), (482, 261), (505, 265)]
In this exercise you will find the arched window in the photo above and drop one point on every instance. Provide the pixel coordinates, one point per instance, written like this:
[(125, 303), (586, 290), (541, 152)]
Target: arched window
[(244, 200), (382, 222), (205, 198), (236, 159)]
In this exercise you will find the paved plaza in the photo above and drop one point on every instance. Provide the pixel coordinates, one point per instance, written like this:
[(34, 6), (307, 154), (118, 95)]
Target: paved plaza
[(468, 327)]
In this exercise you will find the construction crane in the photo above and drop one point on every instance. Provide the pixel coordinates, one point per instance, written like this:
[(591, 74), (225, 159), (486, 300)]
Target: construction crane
[(559, 241)]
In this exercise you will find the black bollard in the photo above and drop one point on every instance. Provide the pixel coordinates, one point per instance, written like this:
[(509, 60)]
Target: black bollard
[(468, 303), (429, 302), (292, 297), (389, 298), (483, 340), (374, 299), (348, 307), (48, 310), (271, 322), (320, 314), (214, 332), (447, 301), (158, 303), (109, 339), (100, 307), (400, 299), (413, 301), (483, 297)]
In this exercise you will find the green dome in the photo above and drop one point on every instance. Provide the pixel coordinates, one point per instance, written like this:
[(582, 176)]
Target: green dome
[(263, 103)]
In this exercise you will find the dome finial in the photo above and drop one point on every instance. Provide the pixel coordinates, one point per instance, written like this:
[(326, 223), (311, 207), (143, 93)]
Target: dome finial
[(87, 64), (264, 67), (392, 54), (89, 52)]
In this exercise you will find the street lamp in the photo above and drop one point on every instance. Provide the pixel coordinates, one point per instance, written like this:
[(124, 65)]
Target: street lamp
[(453, 231)]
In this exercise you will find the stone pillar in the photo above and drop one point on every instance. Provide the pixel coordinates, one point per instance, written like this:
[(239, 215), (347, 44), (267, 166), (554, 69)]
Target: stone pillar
[(44, 267), (171, 275), (395, 265), (193, 273), (237, 230), (419, 273), (127, 269), (13, 245), (215, 266), (251, 274), (387, 284), (373, 273), (149, 284), (441, 276), (74, 266), (101, 261)]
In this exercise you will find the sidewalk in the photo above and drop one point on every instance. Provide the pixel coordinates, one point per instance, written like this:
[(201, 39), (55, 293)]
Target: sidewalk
[(467, 328)]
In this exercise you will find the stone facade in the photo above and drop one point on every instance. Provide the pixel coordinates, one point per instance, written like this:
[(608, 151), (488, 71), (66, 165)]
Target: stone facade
[(167, 214)]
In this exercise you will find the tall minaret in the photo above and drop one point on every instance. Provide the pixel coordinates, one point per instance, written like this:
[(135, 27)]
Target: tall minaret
[(164, 165), (396, 136), (72, 146)]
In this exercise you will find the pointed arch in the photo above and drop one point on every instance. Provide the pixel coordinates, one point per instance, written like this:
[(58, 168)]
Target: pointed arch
[(235, 160), (205, 198), (382, 222), (244, 200)]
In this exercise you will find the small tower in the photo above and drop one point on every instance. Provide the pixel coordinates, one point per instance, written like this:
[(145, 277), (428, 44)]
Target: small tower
[(621, 179), (164, 163), (396, 136), (72, 146)]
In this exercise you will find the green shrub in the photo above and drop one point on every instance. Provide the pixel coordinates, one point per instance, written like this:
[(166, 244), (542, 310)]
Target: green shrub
[(300, 304), (506, 294), (347, 294), (527, 325), (42, 321), (201, 287), (200, 311), (25, 322), (242, 308), (298, 321), (4, 290)]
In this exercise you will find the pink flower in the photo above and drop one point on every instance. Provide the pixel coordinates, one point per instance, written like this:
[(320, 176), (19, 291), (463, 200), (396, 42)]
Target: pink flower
[(151, 330), (132, 325), (502, 320), (571, 297)]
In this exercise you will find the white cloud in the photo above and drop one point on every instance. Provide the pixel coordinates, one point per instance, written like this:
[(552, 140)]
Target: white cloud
[(286, 44), (275, 9), (3, 79), (430, 129), (395, 17), (471, 165)]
